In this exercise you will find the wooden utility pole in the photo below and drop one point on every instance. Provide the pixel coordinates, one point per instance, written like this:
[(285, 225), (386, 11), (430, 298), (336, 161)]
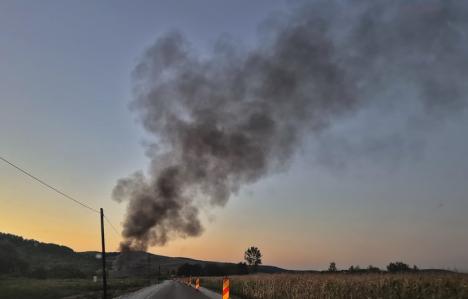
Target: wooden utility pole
[(103, 257), (149, 266)]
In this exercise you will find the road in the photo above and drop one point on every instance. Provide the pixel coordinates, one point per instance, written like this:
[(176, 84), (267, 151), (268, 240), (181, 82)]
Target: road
[(170, 289)]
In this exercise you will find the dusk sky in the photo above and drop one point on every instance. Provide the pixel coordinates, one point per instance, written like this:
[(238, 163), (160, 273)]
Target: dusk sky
[(382, 184)]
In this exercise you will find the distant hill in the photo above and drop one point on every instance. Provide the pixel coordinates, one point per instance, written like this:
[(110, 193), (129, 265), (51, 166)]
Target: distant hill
[(136, 263), (23, 257)]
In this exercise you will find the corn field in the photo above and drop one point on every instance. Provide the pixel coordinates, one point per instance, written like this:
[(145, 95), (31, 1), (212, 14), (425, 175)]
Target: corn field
[(342, 285)]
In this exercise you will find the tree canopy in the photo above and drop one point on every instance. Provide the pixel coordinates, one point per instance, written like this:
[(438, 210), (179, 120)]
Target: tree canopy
[(253, 256)]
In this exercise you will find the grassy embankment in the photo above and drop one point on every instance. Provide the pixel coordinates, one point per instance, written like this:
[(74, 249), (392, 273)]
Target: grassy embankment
[(341, 285), (23, 288)]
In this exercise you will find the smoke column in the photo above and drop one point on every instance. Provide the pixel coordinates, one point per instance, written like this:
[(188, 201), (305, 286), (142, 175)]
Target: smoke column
[(229, 118)]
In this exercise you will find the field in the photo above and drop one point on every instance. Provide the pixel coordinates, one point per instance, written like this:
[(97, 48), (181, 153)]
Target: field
[(342, 285), (22, 288)]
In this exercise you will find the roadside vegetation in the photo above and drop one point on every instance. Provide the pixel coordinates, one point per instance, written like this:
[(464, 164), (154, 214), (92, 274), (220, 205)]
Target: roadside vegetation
[(399, 280), (407, 285), (26, 288), (32, 269)]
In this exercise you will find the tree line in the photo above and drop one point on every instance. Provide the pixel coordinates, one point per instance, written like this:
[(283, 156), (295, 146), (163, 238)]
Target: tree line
[(393, 267), (29, 258), (252, 257)]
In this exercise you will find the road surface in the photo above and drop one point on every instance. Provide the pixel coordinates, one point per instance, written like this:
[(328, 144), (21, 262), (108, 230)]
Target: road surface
[(170, 289)]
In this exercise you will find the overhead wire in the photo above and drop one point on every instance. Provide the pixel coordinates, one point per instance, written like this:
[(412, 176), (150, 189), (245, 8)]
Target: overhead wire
[(48, 185), (112, 226), (42, 182)]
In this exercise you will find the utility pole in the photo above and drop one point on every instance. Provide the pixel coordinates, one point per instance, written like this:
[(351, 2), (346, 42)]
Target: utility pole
[(149, 267), (103, 257)]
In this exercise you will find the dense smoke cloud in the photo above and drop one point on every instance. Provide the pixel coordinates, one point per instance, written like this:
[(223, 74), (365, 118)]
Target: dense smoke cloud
[(229, 118)]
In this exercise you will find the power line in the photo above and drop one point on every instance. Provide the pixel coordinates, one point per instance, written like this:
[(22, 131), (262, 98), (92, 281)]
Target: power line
[(59, 192), (48, 186), (112, 226), (104, 280)]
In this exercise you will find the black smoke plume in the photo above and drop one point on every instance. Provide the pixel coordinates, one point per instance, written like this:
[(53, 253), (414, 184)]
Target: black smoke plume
[(226, 119)]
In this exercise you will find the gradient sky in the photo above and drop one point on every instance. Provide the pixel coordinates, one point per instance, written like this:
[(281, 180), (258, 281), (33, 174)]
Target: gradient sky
[(65, 85)]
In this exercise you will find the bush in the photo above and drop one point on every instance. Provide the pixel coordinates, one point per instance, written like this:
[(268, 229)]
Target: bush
[(398, 267)]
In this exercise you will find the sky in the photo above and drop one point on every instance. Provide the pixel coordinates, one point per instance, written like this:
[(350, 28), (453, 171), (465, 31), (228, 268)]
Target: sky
[(65, 89)]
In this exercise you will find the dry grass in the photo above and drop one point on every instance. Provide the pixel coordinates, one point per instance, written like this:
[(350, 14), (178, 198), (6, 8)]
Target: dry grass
[(23, 288), (341, 285)]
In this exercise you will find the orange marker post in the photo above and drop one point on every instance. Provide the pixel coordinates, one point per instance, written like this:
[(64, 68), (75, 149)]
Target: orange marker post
[(225, 288), (197, 283)]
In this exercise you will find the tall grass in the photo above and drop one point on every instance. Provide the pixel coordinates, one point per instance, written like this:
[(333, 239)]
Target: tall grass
[(22, 288), (349, 286)]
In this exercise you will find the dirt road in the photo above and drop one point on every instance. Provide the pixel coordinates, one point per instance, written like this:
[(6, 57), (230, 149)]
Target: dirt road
[(170, 289)]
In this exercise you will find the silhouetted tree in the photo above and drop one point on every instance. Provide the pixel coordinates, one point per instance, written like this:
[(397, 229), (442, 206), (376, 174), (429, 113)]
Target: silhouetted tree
[(398, 267), (332, 267), (354, 269), (373, 269), (253, 257), (358, 269)]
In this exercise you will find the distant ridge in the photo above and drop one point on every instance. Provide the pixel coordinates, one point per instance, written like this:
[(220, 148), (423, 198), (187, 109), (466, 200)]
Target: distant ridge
[(28, 257)]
